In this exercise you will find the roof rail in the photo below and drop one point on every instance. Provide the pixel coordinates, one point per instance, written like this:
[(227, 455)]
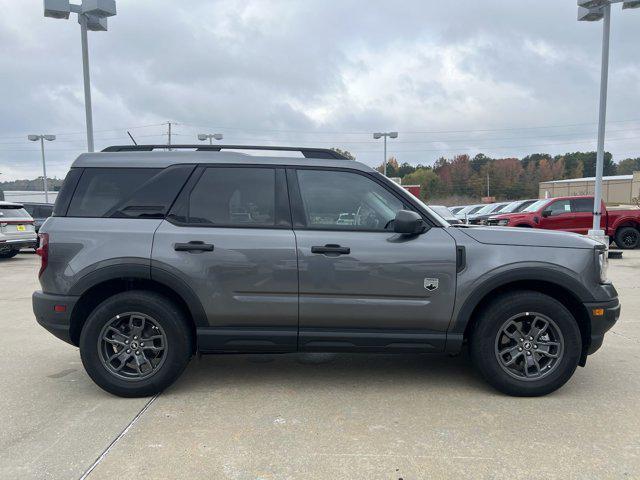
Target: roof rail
[(320, 153)]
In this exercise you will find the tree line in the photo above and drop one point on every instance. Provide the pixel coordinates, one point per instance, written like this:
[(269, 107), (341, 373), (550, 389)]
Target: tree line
[(502, 178)]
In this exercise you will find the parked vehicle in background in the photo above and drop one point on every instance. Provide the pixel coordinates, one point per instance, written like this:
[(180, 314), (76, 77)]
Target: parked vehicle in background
[(446, 214), (464, 212), (39, 212), (480, 217), (153, 256), (456, 209), (517, 206), (16, 229), (575, 214)]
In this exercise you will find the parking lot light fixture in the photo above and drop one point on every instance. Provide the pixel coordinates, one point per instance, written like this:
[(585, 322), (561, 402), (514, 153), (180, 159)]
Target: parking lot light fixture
[(594, 10), (92, 15), (210, 136), (385, 135), (42, 138)]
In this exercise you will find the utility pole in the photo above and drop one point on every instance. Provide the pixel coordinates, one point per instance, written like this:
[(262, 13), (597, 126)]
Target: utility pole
[(169, 133), (488, 193)]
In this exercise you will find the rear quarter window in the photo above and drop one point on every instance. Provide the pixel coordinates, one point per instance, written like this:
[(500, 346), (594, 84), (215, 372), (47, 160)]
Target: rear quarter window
[(127, 192)]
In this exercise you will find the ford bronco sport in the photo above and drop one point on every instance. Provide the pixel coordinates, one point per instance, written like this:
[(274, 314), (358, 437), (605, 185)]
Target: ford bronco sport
[(152, 256)]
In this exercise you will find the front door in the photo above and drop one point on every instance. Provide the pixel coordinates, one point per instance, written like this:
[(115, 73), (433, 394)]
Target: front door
[(361, 285), (229, 240)]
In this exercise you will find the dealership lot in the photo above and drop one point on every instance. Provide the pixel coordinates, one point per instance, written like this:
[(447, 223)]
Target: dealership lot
[(313, 416)]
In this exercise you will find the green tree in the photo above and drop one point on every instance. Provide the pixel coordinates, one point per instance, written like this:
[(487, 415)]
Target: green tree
[(628, 166), (427, 179), (346, 153)]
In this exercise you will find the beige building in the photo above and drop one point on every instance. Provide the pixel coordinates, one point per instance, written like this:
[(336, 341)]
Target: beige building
[(616, 189)]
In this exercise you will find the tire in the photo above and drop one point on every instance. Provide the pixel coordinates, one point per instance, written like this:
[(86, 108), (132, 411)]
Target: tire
[(492, 332), (135, 369), (9, 252), (627, 238)]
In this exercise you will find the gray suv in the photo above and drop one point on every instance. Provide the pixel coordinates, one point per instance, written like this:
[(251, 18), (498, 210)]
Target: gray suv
[(151, 256)]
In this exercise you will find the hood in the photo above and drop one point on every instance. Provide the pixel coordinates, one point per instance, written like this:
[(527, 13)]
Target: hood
[(529, 237), (512, 216)]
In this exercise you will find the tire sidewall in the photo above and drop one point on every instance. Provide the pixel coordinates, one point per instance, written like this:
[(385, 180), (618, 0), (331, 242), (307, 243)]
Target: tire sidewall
[(620, 235), (164, 312), (491, 321)]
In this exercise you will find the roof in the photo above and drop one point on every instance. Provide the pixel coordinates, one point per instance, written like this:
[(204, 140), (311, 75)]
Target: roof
[(162, 159), (592, 179)]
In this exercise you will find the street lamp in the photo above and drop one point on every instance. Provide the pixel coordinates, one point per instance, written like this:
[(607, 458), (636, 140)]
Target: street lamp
[(210, 136), (42, 138), (379, 135), (92, 15), (592, 11)]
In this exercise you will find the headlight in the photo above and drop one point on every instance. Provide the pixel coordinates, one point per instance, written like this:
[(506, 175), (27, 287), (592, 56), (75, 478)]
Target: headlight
[(602, 263), (503, 222)]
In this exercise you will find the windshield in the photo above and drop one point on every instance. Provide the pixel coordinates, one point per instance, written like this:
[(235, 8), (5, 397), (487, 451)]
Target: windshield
[(443, 211), (475, 209), (511, 207), (535, 206)]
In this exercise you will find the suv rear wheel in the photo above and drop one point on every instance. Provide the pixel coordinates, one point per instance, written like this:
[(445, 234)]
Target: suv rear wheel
[(526, 344), (135, 344)]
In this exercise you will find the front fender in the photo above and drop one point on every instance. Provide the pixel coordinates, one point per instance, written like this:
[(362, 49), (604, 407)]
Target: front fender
[(556, 275)]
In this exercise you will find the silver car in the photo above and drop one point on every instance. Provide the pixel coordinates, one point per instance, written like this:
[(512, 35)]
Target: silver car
[(16, 229)]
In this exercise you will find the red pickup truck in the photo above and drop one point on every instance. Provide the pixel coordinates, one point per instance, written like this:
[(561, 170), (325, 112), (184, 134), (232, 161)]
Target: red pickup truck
[(575, 214)]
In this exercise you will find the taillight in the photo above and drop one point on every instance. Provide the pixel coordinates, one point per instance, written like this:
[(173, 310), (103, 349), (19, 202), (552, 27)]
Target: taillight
[(43, 251)]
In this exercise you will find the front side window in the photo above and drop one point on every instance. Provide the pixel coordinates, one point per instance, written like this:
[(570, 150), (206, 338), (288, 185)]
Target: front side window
[(338, 200), (559, 207), (233, 197)]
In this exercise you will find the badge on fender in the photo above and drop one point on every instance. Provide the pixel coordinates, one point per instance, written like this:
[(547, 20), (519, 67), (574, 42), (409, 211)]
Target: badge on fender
[(431, 284)]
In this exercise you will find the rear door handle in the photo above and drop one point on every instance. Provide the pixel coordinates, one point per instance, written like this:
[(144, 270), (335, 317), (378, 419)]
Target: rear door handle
[(331, 248), (193, 246)]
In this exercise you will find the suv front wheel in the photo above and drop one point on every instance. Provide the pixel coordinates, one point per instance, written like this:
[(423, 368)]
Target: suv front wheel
[(526, 344), (135, 344)]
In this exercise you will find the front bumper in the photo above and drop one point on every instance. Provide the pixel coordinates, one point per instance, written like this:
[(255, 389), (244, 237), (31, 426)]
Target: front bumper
[(51, 318), (603, 316)]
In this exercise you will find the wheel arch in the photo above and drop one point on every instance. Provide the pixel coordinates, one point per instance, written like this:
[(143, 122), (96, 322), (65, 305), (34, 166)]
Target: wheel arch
[(562, 287), (104, 283)]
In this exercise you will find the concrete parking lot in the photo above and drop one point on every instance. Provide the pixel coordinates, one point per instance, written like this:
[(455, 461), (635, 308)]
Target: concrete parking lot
[(313, 416)]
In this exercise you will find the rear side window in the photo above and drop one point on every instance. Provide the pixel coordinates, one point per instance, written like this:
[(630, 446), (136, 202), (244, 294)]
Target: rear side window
[(227, 196), (582, 205), (127, 192), (66, 192), (9, 211)]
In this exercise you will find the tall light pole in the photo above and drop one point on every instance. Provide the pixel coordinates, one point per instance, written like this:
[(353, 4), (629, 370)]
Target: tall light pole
[(592, 11), (42, 138), (210, 136), (379, 135), (92, 15)]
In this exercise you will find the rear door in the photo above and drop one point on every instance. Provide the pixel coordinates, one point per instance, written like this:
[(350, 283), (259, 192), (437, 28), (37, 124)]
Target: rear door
[(228, 239), (363, 287), (582, 209)]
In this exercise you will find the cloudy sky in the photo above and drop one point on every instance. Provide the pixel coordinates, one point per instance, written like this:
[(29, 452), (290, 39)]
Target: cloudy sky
[(502, 77)]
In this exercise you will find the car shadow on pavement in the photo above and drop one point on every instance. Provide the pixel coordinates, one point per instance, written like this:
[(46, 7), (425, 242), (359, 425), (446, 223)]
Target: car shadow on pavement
[(328, 370)]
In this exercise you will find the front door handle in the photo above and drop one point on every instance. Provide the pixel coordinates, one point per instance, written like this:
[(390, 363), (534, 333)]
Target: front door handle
[(193, 246), (331, 248)]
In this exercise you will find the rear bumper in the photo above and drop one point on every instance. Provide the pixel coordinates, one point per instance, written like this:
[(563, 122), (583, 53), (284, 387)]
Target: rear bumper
[(56, 322), (601, 322), (24, 242)]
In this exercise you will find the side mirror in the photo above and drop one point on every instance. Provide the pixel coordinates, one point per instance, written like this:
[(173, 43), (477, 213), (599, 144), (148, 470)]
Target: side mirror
[(408, 223), (546, 213)]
